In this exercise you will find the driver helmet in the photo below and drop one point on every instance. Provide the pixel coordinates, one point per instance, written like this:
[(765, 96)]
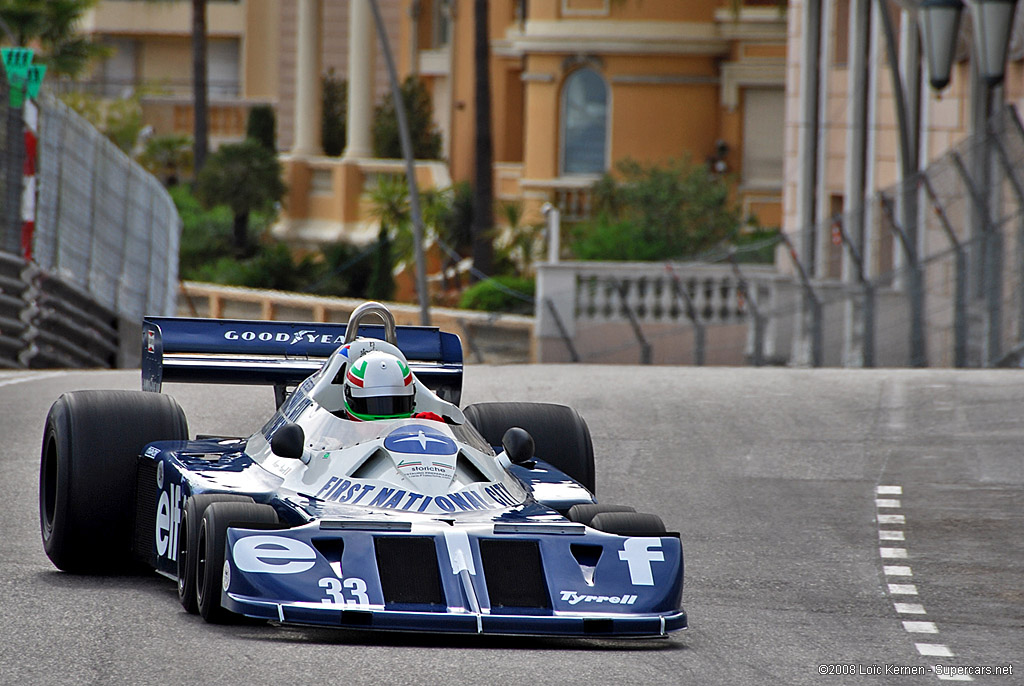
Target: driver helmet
[(379, 385)]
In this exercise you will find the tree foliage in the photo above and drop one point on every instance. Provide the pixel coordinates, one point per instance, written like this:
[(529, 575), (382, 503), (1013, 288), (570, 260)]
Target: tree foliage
[(426, 139), (168, 157), (52, 26), (244, 176), (119, 119), (261, 125), (657, 212), (335, 116)]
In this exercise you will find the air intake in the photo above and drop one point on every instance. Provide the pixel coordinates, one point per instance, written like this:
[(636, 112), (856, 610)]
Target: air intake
[(408, 571), (515, 577)]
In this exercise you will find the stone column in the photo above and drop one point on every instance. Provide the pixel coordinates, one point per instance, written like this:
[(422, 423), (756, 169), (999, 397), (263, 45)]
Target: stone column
[(308, 86), (361, 32)]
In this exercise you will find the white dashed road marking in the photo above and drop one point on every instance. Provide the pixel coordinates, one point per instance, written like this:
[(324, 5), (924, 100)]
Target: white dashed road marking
[(933, 649), (904, 589), (920, 627), (897, 570), (891, 519)]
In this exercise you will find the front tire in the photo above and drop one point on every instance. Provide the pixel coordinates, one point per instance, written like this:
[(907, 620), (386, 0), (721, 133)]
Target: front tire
[(210, 558), (87, 473), (560, 434), (191, 516)]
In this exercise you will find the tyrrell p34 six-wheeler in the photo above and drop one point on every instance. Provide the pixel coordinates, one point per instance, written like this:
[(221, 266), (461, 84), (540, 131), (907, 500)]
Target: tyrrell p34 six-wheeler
[(368, 500)]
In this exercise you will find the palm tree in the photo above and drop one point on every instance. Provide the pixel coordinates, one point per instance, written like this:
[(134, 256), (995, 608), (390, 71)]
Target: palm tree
[(52, 25), (244, 176), (483, 198), (200, 124)]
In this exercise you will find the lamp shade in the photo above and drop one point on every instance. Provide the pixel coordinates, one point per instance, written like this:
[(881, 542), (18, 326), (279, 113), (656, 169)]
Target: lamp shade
[(993, 21), (940, 26)]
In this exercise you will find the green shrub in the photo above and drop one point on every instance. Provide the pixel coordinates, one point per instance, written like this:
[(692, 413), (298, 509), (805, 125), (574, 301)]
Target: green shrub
[(261, 126), (493, 295), (426, 139), (272, 267), (334, 117), (757, 247), (657, 212)]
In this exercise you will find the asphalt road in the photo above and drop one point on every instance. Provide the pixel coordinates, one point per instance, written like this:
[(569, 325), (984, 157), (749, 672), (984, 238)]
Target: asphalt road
[(772, 477)]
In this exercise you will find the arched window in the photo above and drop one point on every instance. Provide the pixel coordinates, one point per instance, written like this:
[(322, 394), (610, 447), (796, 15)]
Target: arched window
[(584, 123)]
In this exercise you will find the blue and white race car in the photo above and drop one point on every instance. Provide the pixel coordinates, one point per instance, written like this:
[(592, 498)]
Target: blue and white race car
[(343, 511)]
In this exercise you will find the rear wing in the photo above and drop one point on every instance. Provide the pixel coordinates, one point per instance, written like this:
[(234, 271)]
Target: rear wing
[(281, 354)]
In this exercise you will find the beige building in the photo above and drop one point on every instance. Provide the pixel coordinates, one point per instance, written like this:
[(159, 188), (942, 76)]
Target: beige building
[(251, 58), (843, 146), (576, 85)]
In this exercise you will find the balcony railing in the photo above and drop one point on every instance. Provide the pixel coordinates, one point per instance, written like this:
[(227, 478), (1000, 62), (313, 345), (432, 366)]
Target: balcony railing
[(164, 88)]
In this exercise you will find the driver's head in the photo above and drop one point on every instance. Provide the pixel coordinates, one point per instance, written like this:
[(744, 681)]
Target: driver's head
[(379, 386)]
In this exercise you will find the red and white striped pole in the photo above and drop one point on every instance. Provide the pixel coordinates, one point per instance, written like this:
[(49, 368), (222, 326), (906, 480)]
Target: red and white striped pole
[(28, 193)]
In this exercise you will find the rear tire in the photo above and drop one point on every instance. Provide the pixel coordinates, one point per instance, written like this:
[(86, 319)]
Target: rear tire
[(560, 434), (585, 513), (629, 524), (87, 473), (210, 557), (191, 516)]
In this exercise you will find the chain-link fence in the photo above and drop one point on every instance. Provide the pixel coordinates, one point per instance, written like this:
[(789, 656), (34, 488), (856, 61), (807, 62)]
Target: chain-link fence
[(929, 272), (104, 223), (103, 250)]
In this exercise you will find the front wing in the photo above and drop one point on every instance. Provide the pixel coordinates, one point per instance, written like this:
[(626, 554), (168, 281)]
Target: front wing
[(495, 578)]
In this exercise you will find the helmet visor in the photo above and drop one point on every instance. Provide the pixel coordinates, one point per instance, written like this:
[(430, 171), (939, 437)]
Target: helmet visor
[(380, 406)]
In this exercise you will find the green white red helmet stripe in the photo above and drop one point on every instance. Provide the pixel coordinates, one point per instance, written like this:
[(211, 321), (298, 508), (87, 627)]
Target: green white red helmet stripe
[(405, 371), (356, 372)]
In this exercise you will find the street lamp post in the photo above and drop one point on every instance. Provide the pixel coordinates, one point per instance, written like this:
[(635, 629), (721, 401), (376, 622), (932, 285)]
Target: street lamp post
[(992, 24)]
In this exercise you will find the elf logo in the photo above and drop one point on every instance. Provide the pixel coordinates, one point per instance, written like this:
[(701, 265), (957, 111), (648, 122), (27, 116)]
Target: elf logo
[(639, 553), (168, 522)]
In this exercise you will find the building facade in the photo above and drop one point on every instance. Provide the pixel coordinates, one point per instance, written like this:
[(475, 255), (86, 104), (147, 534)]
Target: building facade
[(847, 148)]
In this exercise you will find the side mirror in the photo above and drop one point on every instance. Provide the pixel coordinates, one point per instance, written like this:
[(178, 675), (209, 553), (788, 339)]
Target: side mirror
[(289, 441), (518, 445)]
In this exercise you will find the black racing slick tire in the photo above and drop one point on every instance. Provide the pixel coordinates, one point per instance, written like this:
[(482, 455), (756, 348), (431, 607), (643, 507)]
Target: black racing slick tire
[(87, 473), (191, 516), (629, 524), (210, 553), (560, 434), (585, 513)]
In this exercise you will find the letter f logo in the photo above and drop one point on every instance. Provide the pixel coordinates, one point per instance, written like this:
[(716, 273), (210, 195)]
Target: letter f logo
[(638, 554)]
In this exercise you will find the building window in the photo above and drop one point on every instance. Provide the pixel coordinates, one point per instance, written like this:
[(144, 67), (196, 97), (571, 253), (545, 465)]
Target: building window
[(120, 70), (584, 123), (764, 116), (222, 60)]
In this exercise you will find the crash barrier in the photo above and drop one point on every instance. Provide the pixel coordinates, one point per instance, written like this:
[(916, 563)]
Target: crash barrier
[(12, 303), (929, 272), (487, 338), (46, 322)]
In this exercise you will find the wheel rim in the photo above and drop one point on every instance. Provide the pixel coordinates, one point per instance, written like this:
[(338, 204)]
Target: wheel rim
[(201, 562), (49, 486), (183, 552)]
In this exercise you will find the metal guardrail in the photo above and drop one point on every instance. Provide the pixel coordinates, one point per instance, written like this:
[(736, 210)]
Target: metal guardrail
[(46, 322), (12, 303)]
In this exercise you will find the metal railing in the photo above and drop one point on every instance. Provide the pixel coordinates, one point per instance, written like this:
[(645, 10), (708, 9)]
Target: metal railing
[(928, 272)]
